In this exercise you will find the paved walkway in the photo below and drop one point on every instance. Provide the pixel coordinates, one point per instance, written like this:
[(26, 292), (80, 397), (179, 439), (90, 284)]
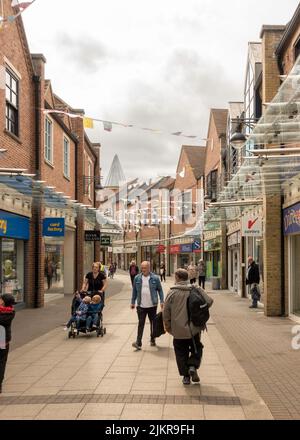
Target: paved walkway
[(53, 377)]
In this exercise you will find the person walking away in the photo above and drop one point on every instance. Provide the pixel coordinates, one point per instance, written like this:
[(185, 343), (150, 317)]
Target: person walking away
[(133, 271), (162, 272), (115, 267), (202, 273), (95, 282), (252, 280), (111, 271), (188, 352), (146, 291), (7, 315), (49, 273), (192, 271)]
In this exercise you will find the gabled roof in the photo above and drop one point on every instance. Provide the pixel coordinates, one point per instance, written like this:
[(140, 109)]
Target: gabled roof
[(220, 118), (196, 158), (289, 30)]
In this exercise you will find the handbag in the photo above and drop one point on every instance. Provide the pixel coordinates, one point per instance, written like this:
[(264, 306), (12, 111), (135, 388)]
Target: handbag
[(255, 293), (158, 328)]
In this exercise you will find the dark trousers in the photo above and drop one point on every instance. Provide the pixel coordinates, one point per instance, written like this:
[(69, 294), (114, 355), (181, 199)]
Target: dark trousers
[(163, 277), (202, 281), (132, 277), (142, 314), (185, 354), (3, 360)]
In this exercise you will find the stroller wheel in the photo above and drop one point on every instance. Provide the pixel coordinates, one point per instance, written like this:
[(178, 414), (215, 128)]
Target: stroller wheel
[(104, 330), (69, 334)]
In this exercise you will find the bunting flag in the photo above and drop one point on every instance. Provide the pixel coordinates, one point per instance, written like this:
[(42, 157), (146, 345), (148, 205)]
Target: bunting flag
[(88, 122), (107, 126), (22, 5), (11, 18)]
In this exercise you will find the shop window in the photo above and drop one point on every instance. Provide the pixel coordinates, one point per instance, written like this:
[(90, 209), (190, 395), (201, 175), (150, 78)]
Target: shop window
[(12, 103), (12, 262)]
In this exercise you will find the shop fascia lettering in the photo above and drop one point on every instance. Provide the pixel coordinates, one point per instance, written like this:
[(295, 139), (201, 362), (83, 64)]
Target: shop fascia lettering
[(291, 220)]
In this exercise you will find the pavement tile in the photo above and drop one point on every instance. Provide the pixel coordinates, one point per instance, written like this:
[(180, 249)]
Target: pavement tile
[(20, 411), (133, 411), (214, 412), (183, 412), (69, 411), (102, 409)]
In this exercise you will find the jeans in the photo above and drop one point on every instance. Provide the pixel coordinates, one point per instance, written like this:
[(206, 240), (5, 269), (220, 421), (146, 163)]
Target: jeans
[(185, 354), (142, 314), (92, 319), (202, 281), (3, 360)]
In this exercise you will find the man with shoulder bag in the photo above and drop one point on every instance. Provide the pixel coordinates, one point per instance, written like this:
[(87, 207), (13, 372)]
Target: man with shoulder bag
[(185, 315), (252, 280)]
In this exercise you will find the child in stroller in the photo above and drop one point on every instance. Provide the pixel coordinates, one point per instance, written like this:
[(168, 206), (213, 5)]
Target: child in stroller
[(93, 320)]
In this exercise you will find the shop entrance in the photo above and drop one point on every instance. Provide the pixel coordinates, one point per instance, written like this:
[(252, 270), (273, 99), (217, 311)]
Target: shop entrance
[(54, 267)]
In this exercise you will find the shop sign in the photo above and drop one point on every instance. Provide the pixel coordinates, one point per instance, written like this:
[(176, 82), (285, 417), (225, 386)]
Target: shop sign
[(186, 248), (175, 249), (14, 226), (105, 240), (291, 220), (92, 235), (252, 226), (197, 247), (54, 227), (161, 249), (234, 239), (131, 250), (118, 250)]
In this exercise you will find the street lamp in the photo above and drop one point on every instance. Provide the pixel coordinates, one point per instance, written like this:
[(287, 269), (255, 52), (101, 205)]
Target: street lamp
[(238, 139)]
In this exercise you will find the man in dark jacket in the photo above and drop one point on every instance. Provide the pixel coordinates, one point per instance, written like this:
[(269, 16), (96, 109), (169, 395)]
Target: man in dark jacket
[(133, 271), (252, 280), (7, 314)]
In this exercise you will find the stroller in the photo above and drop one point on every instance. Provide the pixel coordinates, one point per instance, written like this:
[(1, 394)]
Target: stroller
[(99, 329)]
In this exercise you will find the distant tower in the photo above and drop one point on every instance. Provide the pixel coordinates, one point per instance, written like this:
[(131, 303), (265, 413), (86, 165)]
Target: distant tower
[(116, 177)]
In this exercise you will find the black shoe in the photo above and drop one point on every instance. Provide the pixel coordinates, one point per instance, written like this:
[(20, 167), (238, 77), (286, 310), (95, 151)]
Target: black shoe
[(253, 307), (186, 380), (153, 344), (193, 374), (136, 346)]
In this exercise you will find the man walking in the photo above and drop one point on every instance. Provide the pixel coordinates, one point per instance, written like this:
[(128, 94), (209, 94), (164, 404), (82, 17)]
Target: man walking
[(133, 271), (187, 345), (252, 280), (202, 273), (145, 292)]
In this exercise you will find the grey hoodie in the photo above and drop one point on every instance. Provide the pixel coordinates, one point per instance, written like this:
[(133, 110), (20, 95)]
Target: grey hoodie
[(175, 314)]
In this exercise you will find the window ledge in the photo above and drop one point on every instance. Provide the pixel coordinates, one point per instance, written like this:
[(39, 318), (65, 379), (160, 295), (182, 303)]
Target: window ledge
[(67, 178), (49, 163), (13, 136)]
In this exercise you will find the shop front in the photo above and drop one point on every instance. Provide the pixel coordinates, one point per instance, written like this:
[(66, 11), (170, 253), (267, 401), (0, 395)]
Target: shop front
[(14, 235), (291, 230), (54, 238), (234, 242), (212, 253)]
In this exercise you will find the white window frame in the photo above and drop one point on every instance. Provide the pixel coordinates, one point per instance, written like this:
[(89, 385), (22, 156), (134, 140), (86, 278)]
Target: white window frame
[(90, 168), (67, 175), (50, 161)]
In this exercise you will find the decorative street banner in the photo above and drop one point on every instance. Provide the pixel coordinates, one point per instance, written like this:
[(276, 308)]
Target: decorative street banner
[(252, 226), (105, 240), (91, 235), (14, 226), (291, 220), (54, 227), (161, 249)]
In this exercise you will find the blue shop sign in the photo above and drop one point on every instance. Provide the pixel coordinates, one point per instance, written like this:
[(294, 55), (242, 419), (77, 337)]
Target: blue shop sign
[(54, 227), (14, 226), (186, 248), (291, 220)]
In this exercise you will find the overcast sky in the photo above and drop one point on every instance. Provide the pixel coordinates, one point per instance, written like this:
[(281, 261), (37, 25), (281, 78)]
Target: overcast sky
[(160, 64)]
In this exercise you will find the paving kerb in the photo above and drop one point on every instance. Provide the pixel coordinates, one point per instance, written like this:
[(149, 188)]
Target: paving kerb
[(123, 371)]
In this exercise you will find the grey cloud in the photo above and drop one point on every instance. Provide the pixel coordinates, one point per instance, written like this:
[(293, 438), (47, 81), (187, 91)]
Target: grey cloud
[(84, 51)]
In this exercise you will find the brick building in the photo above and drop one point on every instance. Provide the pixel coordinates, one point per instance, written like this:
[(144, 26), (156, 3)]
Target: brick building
[(48, 173)]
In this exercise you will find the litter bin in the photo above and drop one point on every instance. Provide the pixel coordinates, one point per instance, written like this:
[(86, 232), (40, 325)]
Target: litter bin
[(216, 283)]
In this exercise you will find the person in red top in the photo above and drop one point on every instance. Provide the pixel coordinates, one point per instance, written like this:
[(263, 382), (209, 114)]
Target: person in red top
[(7, 314)]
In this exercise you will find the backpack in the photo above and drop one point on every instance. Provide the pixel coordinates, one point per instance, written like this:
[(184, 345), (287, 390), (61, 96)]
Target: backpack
[(198, 304)]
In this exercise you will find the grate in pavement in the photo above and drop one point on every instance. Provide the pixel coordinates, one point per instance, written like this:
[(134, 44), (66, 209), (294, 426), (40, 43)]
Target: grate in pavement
[(120, 398)]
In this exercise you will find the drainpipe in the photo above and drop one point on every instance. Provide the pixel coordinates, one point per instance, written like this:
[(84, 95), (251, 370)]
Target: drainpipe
[(37, 219)]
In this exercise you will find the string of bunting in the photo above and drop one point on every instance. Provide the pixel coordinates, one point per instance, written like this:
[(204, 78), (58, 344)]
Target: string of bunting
[(108, 125), (11, 18)]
